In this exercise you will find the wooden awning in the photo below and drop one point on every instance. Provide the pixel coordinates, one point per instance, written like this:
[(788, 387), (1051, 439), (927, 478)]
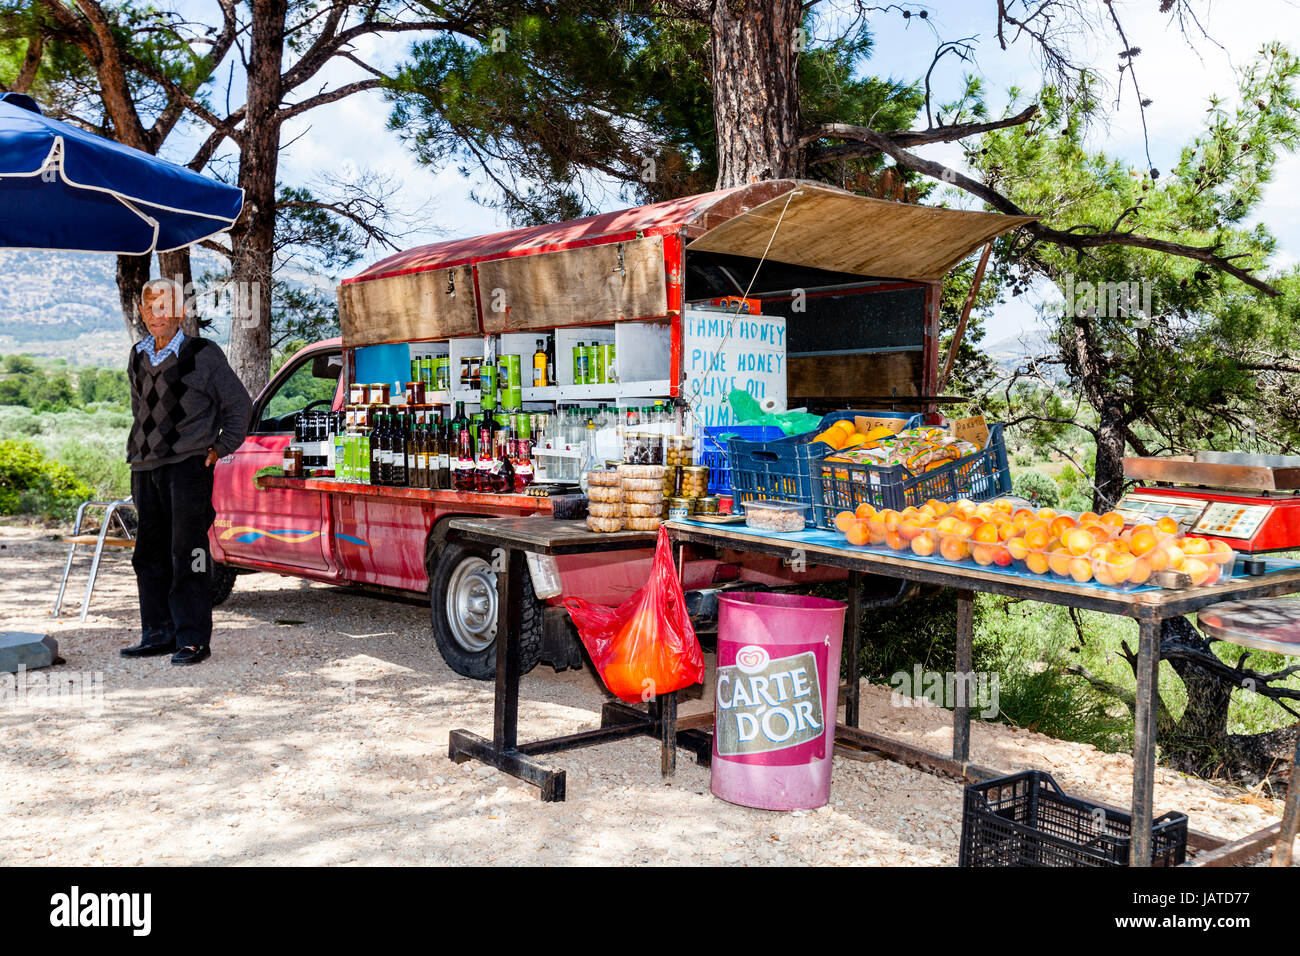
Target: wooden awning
[(827, 228)]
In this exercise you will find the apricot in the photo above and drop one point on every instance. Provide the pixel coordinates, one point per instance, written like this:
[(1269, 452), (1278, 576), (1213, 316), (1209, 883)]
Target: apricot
[(953, 548), (1036, 538), (1047, 514), (1089, 517), (1036, 562), (1005, 505), (1059, 562), (894, 541), (1199, 570), (1079, 541), (1167, 524), (1140, 573), (923, 545), (843, 520), (1113, 519), (1017, 548), (1196, 546), (1081, 569), (986, 533), (865, 510), (983, 553), (1060, 525), (857, 533), (1143, 540)]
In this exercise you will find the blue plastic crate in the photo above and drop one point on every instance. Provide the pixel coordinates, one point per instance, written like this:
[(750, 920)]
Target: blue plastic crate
[(782, 469), (842, 486), (713, 450)]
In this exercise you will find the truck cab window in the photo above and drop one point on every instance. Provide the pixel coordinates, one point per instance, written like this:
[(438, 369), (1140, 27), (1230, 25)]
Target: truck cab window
[(310, 386)]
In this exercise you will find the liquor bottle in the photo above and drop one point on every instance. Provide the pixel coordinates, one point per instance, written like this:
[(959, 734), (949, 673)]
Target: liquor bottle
[(399, 471), (423, 451), (462, 462), (444, 455), (485, 473), (540, 360), (372, 450)]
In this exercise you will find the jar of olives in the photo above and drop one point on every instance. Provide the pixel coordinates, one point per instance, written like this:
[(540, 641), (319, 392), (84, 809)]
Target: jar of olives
[(679, 450), (695, 481)]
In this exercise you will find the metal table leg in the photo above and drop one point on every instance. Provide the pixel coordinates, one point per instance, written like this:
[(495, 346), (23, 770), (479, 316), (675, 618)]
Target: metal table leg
[(1144, 740), (667, 706), (964, 679), (1290, 815), (852, 651)]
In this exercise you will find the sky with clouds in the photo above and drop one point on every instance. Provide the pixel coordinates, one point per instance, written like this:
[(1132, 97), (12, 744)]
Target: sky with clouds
[(1176, 75)]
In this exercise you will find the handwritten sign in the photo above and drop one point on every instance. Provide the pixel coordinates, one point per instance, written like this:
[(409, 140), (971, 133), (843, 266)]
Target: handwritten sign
[(714, 361)]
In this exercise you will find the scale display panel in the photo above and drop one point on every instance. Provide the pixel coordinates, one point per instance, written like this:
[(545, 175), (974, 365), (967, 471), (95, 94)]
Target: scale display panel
[(1229, 519), (1138, 508)]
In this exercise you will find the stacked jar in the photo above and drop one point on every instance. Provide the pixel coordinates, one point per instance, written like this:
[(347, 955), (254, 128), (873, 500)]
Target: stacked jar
[(605, 508), (643, 496)]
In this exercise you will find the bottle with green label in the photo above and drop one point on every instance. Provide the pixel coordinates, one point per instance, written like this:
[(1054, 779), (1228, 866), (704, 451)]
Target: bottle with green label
[(580, 364)]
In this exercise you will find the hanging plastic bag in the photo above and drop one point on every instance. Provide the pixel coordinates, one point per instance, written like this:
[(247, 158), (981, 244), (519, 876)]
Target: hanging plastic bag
[(646, 646)]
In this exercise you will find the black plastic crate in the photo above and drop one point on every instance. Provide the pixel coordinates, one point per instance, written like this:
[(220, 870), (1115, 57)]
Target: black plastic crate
[(842, 486), (782, 469), (1027, 820)]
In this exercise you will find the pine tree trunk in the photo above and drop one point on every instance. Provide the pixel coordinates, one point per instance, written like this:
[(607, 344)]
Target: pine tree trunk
[(132, 274), (1111, 445), (755, 65), (253, 236)]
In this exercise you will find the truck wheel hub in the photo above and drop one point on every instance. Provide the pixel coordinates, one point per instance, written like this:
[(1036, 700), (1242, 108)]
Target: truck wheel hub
[(472, 604)]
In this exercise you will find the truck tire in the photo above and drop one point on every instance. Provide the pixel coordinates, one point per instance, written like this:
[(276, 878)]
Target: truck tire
[(223, 582), (463, 602)]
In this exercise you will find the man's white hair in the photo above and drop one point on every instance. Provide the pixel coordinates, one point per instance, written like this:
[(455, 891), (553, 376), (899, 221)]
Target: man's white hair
[(156, 286)]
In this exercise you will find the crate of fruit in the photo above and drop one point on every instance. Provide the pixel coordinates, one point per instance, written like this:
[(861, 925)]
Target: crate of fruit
[(923, 465), (1027, 820), (782, 469)]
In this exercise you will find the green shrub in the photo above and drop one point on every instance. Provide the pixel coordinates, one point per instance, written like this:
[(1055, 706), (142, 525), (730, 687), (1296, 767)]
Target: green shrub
[(31, 484), (1036, 487), (104, 469)]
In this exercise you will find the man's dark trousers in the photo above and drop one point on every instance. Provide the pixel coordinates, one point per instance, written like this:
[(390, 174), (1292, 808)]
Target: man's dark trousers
[(172, 565)]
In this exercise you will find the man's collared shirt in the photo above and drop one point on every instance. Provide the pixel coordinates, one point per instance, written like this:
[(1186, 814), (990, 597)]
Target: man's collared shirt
[(146, 346)]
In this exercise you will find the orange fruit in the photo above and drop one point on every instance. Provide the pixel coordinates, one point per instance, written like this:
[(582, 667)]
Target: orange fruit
[(1036, 538), (983, 553), (1167, 524), (894, 541), (986, 533), (889, 518), (1157, 558), (1121, 567), (1220, 547), (1089, 517), (1196, 546), (1005, 505), (843, 520), (1081, 569), (1113, 519), (865, 511), (1047, 514), (1036, 562), (1017, 548), (1007, 530), (857, 532), (923, 545)]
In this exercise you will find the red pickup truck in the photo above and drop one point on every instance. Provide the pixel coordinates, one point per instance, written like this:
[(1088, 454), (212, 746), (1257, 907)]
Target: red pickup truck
[(855, 280)]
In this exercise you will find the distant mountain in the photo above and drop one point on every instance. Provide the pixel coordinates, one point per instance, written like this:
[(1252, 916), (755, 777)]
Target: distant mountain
[(1011, 352), (65, 305)]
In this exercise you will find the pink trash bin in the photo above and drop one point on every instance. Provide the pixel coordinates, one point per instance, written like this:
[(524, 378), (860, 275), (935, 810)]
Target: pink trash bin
[(775, 699)]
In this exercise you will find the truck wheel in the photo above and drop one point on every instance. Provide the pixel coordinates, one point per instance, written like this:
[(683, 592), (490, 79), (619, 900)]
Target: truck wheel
[(223, 582), (463, 601)]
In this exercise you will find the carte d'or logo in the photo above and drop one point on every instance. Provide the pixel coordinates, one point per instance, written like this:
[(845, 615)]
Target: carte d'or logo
[(751, 659), (766, 704)]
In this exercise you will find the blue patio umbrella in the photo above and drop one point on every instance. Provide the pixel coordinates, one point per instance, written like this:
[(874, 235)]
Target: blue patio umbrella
[(64, 188)]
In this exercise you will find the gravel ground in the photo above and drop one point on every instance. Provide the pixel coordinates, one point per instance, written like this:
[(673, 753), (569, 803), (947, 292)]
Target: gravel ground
[(317, 734)]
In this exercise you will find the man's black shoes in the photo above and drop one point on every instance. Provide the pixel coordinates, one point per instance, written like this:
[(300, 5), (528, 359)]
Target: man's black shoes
[(148, 650), (191, 655)]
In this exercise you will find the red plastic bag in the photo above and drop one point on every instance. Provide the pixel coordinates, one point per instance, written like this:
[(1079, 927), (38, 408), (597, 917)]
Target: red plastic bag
[(646, 646)]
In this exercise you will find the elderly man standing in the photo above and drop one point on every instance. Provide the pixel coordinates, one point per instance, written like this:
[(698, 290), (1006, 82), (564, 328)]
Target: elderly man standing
[(189, 410)]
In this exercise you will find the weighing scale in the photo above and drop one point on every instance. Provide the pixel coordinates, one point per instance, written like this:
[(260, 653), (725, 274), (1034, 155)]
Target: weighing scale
[(1250, 502)]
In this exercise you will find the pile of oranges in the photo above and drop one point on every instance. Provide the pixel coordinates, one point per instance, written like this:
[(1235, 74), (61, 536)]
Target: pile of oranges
[(1002, 533), (844, 435)]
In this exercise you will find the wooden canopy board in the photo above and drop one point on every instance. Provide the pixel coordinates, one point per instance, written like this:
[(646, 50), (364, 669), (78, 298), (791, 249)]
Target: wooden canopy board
[(401, 308), (589, 285), (827, 228)]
